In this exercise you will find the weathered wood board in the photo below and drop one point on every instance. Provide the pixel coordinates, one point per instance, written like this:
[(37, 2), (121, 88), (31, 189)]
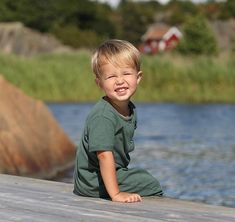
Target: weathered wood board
[(32, 200)]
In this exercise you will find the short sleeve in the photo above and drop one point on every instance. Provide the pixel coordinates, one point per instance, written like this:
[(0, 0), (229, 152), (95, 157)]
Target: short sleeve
[(101, 133)]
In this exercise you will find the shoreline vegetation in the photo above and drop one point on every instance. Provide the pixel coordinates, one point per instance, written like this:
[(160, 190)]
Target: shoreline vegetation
[(167, 78)]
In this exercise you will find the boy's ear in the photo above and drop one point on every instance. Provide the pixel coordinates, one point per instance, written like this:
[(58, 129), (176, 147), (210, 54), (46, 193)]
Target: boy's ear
[(97, 81), (139, 76)]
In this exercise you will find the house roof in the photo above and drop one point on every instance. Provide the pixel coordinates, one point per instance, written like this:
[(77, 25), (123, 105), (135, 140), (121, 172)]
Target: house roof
[(160, 31)]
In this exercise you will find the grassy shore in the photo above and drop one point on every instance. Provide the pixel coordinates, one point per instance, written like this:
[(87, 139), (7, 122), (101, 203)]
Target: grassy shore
[(167, 78)]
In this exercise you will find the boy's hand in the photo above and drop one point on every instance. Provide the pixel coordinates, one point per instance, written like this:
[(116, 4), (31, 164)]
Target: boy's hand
[(127, 197), (108, 173)]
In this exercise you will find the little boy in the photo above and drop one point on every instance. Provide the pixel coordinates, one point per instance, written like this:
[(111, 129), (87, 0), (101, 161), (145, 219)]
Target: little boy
[(101, 168)]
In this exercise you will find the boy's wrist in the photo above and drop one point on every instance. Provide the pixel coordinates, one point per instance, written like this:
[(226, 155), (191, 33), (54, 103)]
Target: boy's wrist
[(115, 194)]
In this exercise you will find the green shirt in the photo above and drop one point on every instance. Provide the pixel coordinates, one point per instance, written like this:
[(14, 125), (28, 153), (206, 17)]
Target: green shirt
[(106, 130)]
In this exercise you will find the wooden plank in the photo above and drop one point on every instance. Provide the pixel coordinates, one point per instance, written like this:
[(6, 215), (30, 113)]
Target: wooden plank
[(32, 200)]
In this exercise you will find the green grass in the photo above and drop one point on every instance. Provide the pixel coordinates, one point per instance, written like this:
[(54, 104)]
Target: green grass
[(188, 79), (167, 78), (64, 78)]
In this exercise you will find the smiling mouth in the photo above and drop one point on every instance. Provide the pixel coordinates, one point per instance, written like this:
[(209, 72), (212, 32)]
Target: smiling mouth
[(120, 90)]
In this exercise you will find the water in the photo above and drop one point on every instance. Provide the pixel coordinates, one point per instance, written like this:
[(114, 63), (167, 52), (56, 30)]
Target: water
[(189, 148)]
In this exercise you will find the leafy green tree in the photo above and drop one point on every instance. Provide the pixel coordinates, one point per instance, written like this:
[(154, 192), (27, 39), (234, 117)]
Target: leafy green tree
[(38, 14), (198, 37), (228, 10), (211, 9), (134, 18), (84, 24), (178, 11)]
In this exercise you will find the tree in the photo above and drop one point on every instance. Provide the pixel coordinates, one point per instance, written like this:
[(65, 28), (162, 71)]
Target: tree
[(228, 10), (37, 14), (198, 37), (84, 23), (135, 18), (211, 9), (178, 11)]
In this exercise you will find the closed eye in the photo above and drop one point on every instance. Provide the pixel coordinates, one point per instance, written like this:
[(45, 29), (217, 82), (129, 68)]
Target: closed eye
[(109, 77), (127, 73)]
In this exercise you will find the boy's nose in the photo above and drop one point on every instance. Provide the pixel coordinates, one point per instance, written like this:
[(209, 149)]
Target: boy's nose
[(119, 80)]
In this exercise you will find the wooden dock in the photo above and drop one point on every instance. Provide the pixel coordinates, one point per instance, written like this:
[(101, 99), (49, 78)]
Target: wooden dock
[(32, 200)]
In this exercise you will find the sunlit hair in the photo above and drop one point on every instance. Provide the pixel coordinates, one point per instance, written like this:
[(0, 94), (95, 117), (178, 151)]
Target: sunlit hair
[(117, 52)]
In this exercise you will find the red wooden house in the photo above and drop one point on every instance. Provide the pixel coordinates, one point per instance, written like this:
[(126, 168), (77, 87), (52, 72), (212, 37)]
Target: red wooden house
[(159, 38)]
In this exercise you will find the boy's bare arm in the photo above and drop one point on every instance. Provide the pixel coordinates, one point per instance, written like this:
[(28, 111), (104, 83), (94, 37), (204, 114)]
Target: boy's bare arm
[(108, 173)]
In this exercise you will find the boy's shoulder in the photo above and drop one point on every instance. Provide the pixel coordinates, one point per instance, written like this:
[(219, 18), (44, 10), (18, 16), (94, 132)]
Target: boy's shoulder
[(102, 109)]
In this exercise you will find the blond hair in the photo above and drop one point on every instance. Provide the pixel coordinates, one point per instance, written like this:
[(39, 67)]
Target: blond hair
[(117, 52)]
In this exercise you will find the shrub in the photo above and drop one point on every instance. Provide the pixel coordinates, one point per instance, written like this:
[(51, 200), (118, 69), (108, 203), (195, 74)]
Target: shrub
[(73, 36), (198, 38)]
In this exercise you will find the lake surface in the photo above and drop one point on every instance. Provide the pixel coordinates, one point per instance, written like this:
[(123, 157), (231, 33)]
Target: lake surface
[(190, 149)]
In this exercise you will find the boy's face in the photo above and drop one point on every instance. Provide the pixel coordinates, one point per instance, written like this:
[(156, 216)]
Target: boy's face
[(118, 83)]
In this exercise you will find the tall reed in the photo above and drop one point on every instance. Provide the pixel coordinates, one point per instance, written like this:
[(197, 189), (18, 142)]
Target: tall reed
[(167, 78)]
